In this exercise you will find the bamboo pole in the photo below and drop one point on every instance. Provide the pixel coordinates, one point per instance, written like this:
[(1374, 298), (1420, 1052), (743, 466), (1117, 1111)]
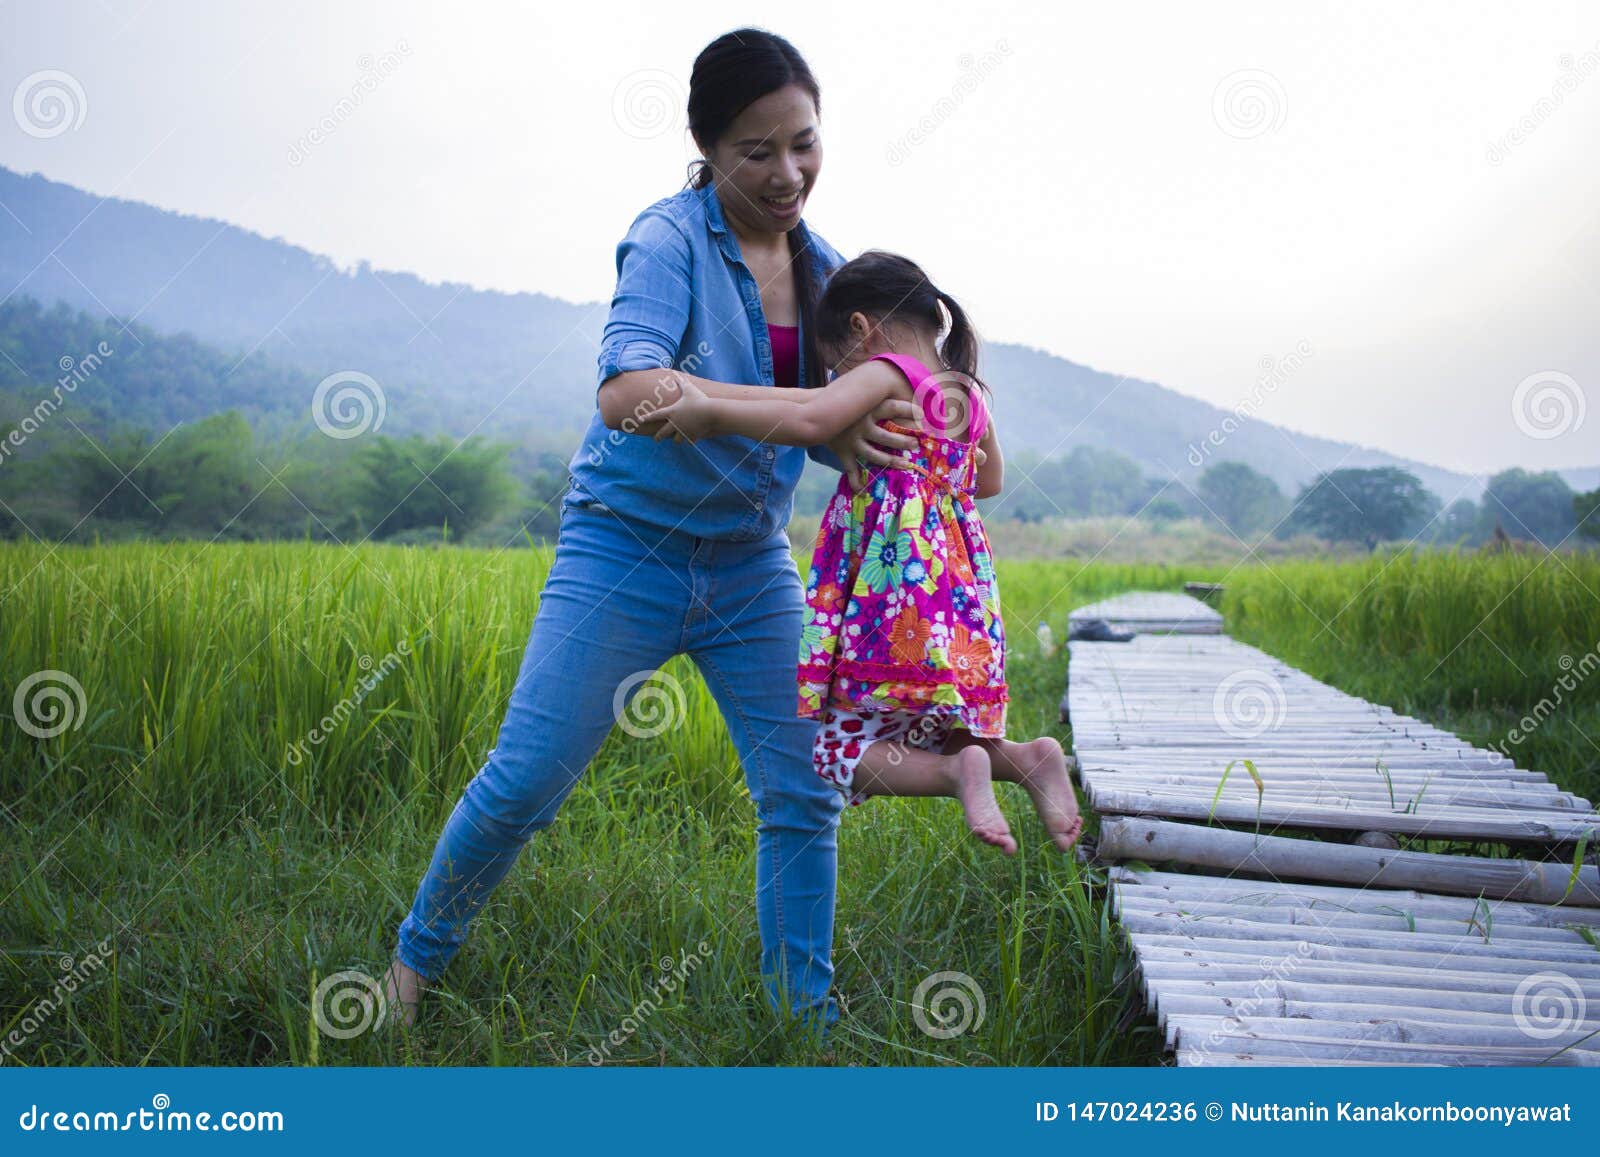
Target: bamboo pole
[(1280, 856), (1439, 823), (1155, 950), (1251, 894), (1185, 915), (1292, 1052)]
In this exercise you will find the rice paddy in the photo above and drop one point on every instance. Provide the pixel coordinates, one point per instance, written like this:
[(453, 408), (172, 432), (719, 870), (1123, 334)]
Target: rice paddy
[(262, 741)]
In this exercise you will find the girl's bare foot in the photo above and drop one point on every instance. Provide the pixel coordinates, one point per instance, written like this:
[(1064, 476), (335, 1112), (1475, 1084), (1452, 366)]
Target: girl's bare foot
[(1049, 785), (974, 787), (402, 991), (899, 769)]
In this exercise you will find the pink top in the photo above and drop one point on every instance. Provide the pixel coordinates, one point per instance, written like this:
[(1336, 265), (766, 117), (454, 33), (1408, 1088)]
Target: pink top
[(943, 418), (785, 355)]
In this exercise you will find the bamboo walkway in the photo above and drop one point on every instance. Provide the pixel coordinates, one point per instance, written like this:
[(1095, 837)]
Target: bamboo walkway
[(1270, 948), (1154, 612)]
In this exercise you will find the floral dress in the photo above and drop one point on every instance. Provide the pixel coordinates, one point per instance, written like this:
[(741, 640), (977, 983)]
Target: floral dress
[(903, 638)]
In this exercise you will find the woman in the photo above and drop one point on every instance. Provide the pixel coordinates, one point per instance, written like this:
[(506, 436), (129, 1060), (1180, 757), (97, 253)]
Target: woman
[(668, 548)]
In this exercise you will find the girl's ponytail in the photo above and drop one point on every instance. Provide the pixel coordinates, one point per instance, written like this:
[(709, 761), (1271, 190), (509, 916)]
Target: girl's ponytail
[(960, 349)]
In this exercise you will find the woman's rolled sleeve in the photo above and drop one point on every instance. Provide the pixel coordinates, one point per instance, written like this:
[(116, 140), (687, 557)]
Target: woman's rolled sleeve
[(650, 308), (824, 456)]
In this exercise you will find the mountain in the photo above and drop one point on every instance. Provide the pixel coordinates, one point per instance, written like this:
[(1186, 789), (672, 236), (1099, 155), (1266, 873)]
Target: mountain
[(521, 366), (1049, 404)]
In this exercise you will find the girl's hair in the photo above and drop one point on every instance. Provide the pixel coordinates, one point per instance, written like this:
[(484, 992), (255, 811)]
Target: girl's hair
[(888, 287), (731, 73)]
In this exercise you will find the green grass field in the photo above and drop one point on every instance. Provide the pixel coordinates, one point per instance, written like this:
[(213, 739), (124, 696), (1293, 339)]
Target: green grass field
[(229, 879)]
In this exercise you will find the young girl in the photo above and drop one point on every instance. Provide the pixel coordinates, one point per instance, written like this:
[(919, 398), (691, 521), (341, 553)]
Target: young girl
[(902, 659)]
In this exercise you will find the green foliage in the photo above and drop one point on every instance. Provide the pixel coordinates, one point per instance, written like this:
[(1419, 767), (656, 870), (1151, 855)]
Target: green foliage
[(1163, 511), (1364, 505), (1242, 499), (198, 478), (431, 483), (215, 479), (1086, 482), (1537, 506), (1586, 512), (1482, 644), (115, 432), (1459, 524)]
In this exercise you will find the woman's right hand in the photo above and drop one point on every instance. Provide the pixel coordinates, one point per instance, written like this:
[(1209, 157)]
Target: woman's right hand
[(868, 444)]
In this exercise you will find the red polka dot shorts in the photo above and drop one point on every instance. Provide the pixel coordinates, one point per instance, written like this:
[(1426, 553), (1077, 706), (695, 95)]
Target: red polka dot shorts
[(843, 737)]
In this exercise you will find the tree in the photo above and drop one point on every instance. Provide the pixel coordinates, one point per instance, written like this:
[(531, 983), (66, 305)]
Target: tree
[(200, 478), (420, 483), (1086, 483), (1244, 500), (1538, 506), (1164, 510), (1586, 511), (1364, 505), (113, 480), (1459, 523), (206, 474)]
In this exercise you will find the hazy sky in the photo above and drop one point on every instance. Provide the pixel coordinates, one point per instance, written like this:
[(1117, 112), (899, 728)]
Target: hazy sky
[(1168, 191)]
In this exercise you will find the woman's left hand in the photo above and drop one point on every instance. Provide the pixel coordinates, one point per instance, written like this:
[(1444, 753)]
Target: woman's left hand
[(687, 418)]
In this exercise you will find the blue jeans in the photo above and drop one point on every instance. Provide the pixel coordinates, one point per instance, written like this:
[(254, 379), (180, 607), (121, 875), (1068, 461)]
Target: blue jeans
[(621, 599)]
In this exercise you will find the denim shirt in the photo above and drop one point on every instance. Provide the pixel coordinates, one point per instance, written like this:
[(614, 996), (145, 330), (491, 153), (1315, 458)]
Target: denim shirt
[(685, 299)]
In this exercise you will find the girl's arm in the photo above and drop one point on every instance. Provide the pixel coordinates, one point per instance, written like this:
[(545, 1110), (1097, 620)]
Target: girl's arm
[(629, 400), (991, 463), (791, 417)]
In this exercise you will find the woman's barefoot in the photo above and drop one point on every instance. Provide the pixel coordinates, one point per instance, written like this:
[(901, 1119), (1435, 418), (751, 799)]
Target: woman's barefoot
[(1050, 787), (974, 787), (402, 990)]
